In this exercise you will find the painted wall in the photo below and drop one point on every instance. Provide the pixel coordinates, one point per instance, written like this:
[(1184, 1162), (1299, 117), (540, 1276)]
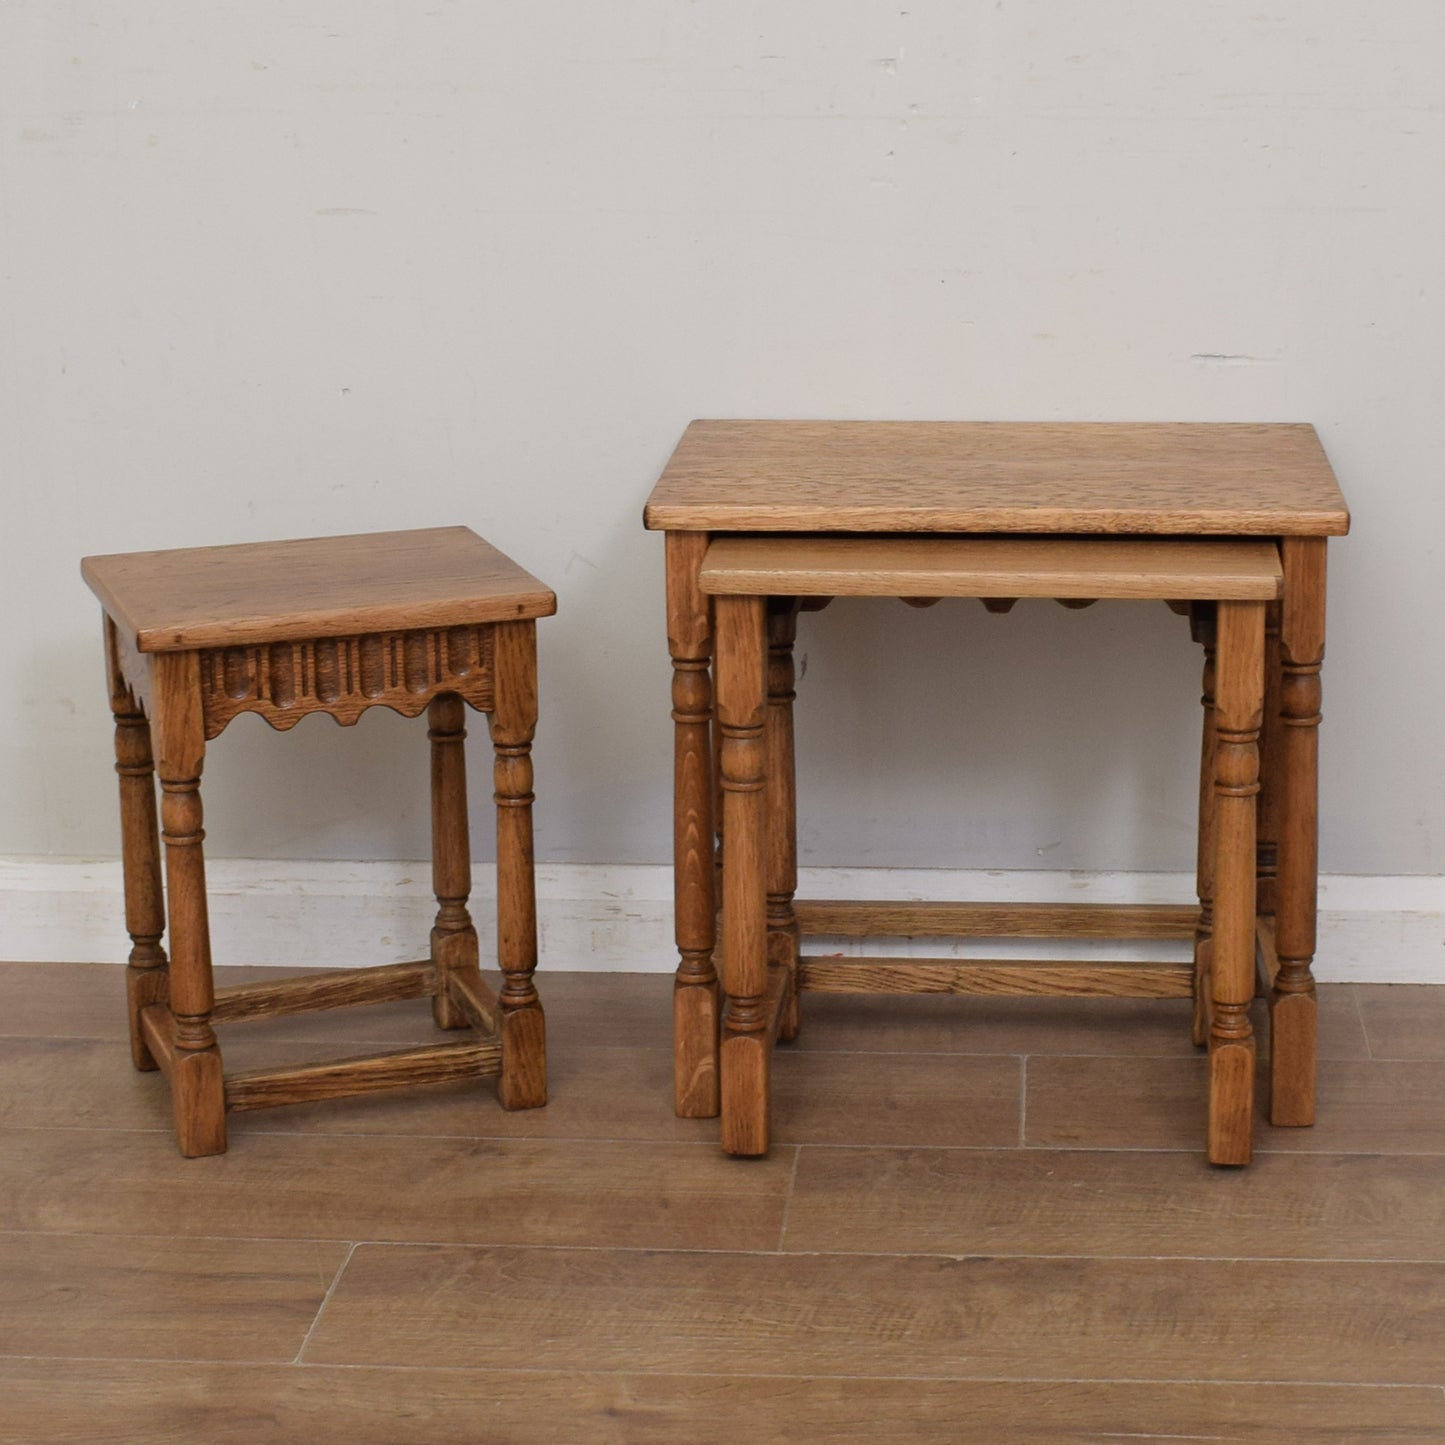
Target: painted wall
[(276, 269)]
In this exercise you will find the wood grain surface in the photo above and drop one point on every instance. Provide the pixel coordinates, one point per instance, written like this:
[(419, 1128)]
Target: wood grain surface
[(912, 1255), (69, 1402), (255, 592), (1008, 567), (901, 476), (215, 1299), (1104, 1203), (826, 1314)]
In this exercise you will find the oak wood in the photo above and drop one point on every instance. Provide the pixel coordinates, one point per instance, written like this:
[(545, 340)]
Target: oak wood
[(1238, 711), (157, 1034), (259, 592), (1075, 568), (1203, 623), (745, 1047), (855, 918), (1005, 976), (807, 510), (860, 476), (419, 620), (474, 996), (696, 1002), (1266, 954), (1292, 1000), (334, 988), (782, 806), (365, 1074), (1270, 767), (145, 909), (513, 722), (342, 677), (454, 943)]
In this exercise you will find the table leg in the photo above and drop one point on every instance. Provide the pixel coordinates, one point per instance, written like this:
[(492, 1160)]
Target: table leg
[(513, 721), (1239, 703), (1202, 623), (453, 936), (1267, 849), (695, 1007), (746, 1046), (197, 1091), (782, 804), (146, 980), (1292, 1001)]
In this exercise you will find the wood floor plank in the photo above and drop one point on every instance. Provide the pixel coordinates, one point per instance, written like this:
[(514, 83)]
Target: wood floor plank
[(1365, 1106), (87, 1000), (1404, 1020), (1117, 1203), (594, 1093), (162, 1298), (626, 1093), (517, 1191), (63, 1402), (895, 1315), (1043, 1025)]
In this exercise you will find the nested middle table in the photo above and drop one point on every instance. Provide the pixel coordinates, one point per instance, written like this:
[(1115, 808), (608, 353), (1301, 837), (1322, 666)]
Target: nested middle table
[(941, 479)]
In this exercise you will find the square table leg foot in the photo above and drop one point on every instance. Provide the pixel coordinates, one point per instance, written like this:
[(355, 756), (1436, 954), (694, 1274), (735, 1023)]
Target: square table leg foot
[(1292, 1059), (523, 1081), (745, 1061), (1231, 1102), (198, 1097)]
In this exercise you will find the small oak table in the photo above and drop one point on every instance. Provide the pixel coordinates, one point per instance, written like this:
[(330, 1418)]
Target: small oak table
[(917, 485), (419, 621)]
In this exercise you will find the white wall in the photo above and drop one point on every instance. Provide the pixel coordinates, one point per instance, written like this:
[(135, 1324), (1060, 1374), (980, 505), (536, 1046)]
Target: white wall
[(276, 269)]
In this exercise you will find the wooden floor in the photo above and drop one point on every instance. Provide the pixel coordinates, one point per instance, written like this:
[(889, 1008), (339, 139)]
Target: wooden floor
[(983, 1221)]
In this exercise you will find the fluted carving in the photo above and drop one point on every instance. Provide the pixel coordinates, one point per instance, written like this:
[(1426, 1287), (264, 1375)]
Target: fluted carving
[(343, 676)]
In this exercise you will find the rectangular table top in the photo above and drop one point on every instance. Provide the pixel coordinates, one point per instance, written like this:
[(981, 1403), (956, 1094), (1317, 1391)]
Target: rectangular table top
[(796, 565), (254, 592), (1259, 479)]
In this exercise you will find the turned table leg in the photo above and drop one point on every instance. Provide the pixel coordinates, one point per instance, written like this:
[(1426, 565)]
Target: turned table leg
[(146, 980), (1202, 621), (1239, 702), (196, 1087), (523, 1082), (782, 805), (453, 938), (745, 1050), (695, 1002), (1267, 849), (1292, 1012)]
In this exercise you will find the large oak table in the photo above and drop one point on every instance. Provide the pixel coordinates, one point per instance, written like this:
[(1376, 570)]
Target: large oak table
[(921, 486)]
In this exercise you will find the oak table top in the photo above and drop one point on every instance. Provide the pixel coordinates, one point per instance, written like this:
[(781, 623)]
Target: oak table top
[(194, 597), (794, 565), (1227, 479)]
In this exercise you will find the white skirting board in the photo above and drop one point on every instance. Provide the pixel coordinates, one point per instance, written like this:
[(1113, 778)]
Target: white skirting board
[(618, 917)]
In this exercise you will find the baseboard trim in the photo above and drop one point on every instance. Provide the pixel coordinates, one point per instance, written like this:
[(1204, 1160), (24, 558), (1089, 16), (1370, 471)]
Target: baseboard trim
[(618, 917)]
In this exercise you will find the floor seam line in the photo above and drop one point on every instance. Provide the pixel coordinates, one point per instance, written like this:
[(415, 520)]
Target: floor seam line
[(325, 1300)]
